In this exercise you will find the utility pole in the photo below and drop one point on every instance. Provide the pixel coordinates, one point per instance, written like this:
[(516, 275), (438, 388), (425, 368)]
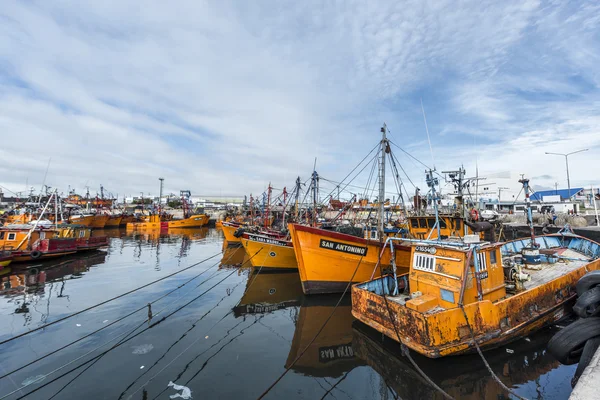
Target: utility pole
[(160, 193), (500, 189), (566, 156)]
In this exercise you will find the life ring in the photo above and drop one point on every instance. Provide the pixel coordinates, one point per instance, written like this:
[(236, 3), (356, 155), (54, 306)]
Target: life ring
[(35, 254), (474, 215)]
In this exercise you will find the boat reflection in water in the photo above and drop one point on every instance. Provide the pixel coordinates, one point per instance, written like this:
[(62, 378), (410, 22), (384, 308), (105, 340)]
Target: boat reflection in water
[(332, 353), (233, 256), (268, 292), (26, 286), (462, 377)]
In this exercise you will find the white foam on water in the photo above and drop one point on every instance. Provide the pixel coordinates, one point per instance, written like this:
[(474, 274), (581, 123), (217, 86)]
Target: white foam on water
[(142, 349), (185, 394)]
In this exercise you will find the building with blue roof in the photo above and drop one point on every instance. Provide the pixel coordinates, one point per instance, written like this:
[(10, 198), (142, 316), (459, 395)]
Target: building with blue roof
[(563, 193)]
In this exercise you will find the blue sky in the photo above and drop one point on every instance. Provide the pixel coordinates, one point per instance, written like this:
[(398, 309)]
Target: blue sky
[(222, 97)]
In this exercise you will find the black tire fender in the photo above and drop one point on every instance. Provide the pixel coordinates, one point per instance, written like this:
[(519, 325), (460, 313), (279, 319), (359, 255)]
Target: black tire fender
[(588, 304), (35, 254), (589, 349), (238, 233), (587, 282), (567, 344)]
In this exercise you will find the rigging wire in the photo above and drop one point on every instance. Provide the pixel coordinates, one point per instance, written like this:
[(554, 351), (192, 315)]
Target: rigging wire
[(144, 307), (195, 341), (115, 346), (405, 350), (288, 368), (487, 365), (105, 302)]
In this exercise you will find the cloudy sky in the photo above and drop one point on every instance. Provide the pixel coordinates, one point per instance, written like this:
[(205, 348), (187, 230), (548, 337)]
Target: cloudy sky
[(222, 97)]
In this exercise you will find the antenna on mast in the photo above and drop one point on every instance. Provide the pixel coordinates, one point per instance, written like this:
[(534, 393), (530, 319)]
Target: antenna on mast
[(428, 138)]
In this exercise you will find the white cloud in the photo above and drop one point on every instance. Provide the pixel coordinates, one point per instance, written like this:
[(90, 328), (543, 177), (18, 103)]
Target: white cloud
[(223, 97)]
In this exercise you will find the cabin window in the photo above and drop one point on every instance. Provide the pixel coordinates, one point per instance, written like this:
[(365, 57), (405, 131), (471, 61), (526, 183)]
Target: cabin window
[(443, 223), (482, 261), (447, 295), (430, 222), (422, 223), (457, 224), (11, 236), (424, 262), (81, 234), (493, 257), (414, 223)]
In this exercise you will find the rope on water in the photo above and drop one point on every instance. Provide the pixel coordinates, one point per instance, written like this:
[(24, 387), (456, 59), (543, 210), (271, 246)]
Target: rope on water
[(105, 302)]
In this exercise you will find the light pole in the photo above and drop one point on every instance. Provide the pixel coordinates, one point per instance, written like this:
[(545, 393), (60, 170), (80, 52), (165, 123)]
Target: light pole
[(566, 156)]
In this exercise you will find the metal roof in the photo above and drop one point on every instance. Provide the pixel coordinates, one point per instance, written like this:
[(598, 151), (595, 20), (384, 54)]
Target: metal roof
[(564, 193)]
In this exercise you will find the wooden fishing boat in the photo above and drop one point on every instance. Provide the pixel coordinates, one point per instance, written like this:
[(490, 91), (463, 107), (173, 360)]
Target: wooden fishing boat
[(328, 260), (85, 220), (488, 281), (492, 292), (126, 219), (229, 229), (269, 252), (113, 221), (153, 222), (193, 221), (99, 221)]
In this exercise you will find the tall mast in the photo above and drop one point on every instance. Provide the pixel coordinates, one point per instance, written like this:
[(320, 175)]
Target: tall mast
[(384, 148), (526, 189), (160, 191), (284, 205), (268, 205), (315, 190), (297, 197), (431, 182)]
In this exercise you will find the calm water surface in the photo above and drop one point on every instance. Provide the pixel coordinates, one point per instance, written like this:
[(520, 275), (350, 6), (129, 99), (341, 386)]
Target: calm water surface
[(226, 334)]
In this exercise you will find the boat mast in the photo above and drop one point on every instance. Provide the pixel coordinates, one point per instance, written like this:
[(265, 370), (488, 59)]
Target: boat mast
[(384, 148), (268, 211), (297, 197), (251, 209), (527, 189), (284, 206), (160, 191), (315, 190), (431, 182)]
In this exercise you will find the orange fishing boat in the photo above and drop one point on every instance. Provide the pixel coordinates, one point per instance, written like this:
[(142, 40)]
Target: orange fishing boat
[(84, 220), (113, 221), (269, 252), (229, 229), (193, 221), (328, 260), (99, 221), (152, 222)]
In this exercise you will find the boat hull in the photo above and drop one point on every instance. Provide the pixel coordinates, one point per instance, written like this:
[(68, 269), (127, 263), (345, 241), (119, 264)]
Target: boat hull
[(99, 221), (445, 333), (82, 220), (195, 221), (113, 221), (328, 260), (228, 232), (265, 252)]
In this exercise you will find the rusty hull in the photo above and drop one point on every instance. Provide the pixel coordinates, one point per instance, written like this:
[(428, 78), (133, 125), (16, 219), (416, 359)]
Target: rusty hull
[(443, 332)]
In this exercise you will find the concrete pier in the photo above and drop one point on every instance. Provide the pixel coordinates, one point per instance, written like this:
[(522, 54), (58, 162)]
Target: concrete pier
[(587, 386)]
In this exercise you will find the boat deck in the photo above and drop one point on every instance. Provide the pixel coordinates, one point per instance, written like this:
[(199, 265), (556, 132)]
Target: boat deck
[(571, 261)]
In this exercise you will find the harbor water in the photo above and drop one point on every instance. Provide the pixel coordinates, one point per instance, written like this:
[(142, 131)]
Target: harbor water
[(220, 330)]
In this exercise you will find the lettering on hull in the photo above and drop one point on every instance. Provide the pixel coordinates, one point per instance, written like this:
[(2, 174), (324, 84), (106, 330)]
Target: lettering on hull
[(262, 239), (339, 352), (342, 247)]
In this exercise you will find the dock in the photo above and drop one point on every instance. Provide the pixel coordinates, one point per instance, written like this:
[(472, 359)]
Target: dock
[(587, 386)]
